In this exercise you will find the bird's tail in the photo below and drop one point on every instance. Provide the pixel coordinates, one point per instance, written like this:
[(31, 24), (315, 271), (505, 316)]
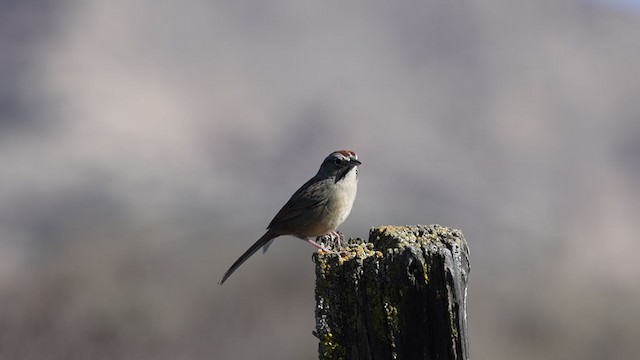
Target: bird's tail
[(264, 240)]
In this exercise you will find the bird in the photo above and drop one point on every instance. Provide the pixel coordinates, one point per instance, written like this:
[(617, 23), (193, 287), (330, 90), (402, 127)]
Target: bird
[(316, 209)]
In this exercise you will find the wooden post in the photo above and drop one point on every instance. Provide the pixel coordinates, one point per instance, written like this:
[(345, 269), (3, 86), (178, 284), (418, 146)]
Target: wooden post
[(401, 295)]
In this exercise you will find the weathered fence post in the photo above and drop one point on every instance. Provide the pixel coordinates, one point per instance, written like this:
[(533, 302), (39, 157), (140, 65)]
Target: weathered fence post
[(401, 295)]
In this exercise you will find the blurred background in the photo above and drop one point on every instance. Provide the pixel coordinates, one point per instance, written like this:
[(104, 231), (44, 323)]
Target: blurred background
[(146, 144)]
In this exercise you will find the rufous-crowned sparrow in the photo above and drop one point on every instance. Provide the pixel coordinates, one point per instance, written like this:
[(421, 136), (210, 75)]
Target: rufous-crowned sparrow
[(316, 209)]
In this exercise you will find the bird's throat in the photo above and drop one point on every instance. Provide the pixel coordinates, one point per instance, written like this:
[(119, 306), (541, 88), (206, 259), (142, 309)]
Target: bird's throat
[(343, 172)]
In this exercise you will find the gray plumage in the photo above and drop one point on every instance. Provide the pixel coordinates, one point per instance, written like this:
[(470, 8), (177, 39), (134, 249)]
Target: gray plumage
[(316, 209)]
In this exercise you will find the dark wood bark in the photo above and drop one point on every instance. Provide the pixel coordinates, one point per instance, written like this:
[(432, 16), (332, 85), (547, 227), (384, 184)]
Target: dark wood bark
[(401, 295)]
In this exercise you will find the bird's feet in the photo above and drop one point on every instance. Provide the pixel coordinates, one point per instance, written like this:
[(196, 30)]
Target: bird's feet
[(338, 238), (334, 238), (319, 246)]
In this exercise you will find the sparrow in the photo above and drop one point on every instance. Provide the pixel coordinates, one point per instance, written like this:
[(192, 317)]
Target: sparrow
[(316, 209)]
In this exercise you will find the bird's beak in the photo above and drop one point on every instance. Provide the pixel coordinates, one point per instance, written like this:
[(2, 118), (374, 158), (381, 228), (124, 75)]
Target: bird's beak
[(354, 162)]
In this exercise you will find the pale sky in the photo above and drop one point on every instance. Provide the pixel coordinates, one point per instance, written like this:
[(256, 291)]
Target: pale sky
[(625, 3)]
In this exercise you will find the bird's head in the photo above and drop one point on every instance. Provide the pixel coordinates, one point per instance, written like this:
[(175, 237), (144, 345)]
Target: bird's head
[(339, 163)]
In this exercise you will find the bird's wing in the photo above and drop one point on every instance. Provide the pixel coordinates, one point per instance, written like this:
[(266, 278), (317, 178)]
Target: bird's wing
[(298, 204)]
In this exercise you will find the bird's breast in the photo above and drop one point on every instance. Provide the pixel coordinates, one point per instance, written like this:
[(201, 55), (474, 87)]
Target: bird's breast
[(341, 199)]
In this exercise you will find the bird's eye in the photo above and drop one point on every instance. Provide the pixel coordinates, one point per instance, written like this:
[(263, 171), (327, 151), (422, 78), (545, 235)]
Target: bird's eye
[(337, 161)]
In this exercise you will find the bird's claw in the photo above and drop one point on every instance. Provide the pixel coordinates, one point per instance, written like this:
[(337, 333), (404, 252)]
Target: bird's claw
[(334, 238), (320, 246)]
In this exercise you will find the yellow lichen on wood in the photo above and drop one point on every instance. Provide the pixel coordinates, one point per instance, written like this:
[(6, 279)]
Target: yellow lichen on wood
[(374, 296)]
